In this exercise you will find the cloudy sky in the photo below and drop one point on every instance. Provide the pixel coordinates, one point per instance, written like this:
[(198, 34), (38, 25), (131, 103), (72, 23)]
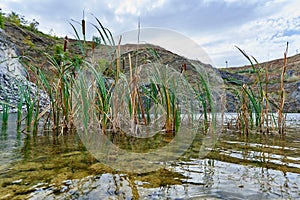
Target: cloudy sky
[(260, 27)]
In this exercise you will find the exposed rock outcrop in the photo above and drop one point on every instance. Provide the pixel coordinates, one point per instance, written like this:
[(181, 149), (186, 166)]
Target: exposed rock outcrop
[(13, 82)]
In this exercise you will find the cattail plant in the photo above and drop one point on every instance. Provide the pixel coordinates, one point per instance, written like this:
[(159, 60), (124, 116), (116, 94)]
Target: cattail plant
[(257, 103), (65, 43)]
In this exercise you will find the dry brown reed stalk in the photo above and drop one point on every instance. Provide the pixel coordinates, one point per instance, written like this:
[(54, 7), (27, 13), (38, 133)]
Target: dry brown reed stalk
[(133, 93), (244, 108), (35, 121), (130, 68), (115, 100), (118, 59), (141, 107), (168, 120), (93, 48), (183, 68), (175, 116), (282, 94), (223, 99), (267, 100), (238, 121)]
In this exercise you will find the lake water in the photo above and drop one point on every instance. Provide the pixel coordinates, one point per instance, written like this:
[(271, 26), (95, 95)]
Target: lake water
[(59, 167)]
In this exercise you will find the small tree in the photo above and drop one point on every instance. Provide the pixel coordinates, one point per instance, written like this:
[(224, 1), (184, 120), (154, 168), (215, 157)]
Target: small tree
[(33, 25), (59, 54), (14, 18), (97, 40)]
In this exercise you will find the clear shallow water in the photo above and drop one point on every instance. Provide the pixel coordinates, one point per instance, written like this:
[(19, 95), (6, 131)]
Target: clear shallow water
[(50, 167)]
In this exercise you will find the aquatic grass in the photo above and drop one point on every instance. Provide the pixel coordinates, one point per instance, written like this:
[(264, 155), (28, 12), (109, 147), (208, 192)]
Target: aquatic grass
[(92, 99), (149, 101), (258, 103), (256, 100), (19, 112), (30, 106), (84, 102), (203, 93), (59, 90), (150, 94), (37, 109), (46, 85), (255, 104), (32, 103), (244, 120), (103, 97), (166, 82), (100, 100), (5, 113)]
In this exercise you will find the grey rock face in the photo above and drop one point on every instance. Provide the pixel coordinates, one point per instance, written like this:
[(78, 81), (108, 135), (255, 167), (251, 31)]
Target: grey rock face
[(9, 63), (13, 82)]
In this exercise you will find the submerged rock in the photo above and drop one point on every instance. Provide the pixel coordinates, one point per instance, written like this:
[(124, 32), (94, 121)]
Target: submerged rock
[(14, 86)]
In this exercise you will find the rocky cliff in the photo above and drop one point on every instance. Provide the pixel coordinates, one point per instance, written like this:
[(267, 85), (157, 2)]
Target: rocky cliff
[(13, 82), (235, 77)]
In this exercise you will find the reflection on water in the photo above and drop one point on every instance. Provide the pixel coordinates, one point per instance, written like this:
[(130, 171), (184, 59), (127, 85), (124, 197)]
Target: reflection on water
[(10, 143), (47, 166)]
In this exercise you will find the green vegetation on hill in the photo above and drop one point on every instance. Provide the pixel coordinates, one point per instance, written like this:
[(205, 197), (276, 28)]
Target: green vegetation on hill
[(1, 20)]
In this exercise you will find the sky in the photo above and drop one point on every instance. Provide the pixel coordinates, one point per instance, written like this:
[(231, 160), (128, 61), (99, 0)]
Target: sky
[(259, 27)]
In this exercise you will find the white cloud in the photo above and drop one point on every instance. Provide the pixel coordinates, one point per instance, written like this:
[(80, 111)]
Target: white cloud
[(133, 7)]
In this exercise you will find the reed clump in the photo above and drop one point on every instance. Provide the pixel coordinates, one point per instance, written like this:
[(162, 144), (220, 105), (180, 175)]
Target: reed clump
[(255, 109), (132, 97), (126, 101)]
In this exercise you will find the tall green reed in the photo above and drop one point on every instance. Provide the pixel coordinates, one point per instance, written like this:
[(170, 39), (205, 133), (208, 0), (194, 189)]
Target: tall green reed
[(203, 94), (19, 112), (30, 106), (5, 113), (257, 100)]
